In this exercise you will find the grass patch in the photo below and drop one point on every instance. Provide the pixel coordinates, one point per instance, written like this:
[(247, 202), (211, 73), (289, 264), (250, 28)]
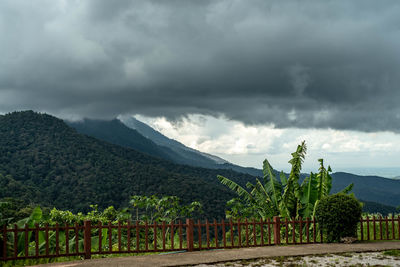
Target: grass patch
[(394, 252)]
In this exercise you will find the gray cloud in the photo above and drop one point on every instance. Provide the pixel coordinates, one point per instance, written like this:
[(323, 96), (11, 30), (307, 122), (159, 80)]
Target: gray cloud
[(307, 64)]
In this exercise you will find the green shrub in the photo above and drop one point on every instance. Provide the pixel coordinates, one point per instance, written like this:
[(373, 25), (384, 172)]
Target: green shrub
[(338, 215)]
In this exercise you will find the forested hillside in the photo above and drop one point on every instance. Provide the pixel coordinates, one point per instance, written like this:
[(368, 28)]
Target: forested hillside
[(115, 132), (43, 160)]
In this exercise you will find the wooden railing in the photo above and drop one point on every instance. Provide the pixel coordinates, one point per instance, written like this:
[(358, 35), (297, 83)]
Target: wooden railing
[(89, 239), (385, 227)]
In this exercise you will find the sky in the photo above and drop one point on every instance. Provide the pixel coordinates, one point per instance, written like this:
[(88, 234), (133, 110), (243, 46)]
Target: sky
[(242, 79)]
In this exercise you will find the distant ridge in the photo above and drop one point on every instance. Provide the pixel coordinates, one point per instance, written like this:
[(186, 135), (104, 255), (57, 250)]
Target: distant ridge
[(189, 155), (369, 188)]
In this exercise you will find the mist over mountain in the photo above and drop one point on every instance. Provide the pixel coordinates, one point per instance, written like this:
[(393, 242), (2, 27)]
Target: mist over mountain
[(198, 158), (162, 140), (371, 188), (137, 135)]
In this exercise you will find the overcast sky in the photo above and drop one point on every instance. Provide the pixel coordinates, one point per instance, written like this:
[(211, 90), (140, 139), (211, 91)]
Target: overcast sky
[(325, 70)]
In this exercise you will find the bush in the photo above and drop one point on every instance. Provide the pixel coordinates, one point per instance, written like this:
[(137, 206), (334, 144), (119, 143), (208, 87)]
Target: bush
[(338, 215)]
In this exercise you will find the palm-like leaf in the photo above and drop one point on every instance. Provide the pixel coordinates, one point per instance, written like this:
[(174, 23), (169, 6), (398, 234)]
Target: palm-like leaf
[(262, 199), (291, 194), (272, 186), (324, 183), (283, 179), (347, 189), (258, 191), (267, 200), (309, 196), (235, 187)]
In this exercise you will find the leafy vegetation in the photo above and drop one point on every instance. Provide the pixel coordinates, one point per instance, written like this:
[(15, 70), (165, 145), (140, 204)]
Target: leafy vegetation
[(288, 198), (147, 209), (142, 208), (338, 215), (165, 209)]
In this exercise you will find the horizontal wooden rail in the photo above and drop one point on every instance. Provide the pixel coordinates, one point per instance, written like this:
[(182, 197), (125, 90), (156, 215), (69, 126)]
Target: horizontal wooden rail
[(34, 242)]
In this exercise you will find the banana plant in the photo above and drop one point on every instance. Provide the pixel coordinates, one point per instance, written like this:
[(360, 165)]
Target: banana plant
[(286, 198), (35, 218), (292, 193), (309, 196)]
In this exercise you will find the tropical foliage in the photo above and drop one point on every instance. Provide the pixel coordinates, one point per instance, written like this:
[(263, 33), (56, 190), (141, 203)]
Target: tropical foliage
[(288, 198), (151, 209), (144, 208), (162, 209)]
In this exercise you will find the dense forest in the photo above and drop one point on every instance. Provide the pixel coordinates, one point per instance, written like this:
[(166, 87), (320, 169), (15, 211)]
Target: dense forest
[(43, 160)]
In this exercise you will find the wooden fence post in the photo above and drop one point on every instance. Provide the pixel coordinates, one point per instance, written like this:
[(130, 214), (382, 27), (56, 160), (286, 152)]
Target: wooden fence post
[(277, 230), (87, 239), (189, 234), (4, 243)]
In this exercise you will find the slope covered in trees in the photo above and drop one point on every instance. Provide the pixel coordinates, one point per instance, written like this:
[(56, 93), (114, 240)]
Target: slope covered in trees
[(45, 161), (115, 132)]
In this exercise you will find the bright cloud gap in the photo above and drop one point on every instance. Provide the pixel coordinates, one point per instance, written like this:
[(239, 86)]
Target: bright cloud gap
[(248, 145)]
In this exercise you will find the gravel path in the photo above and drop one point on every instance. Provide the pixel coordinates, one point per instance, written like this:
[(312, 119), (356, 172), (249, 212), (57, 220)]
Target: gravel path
[(346, 259), (235, 255)]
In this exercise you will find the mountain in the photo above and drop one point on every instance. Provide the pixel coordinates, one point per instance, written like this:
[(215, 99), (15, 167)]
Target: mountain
[(162, 140), (188, 155), (369, 188), (115, 132), (45, 161)]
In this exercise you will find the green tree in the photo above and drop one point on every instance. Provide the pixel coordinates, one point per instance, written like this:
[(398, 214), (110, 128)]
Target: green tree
[(339, 214)]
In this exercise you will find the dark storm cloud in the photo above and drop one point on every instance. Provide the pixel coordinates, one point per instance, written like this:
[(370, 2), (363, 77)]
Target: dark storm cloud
[(291, 63)]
